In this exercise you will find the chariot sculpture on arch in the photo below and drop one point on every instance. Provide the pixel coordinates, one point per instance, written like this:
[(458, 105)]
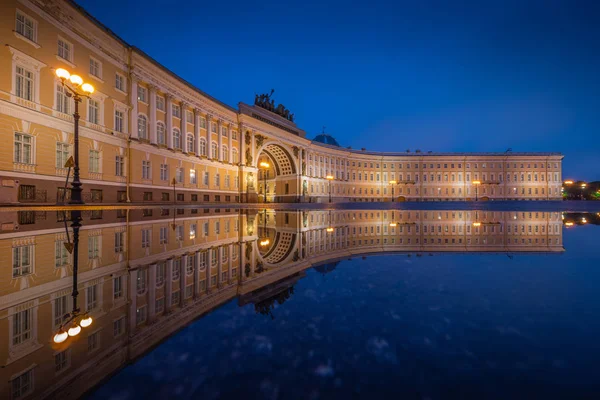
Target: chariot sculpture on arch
[(264, 101)]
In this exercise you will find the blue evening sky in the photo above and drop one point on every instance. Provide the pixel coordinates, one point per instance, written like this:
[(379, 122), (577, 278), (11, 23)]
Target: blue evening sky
[(393, 75)]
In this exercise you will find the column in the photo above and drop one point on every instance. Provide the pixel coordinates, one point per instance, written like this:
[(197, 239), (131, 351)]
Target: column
[(134, 109), (169, 121), (168, 284), (242, 150), (208, 138), (133, 296), (197, 131), (182, 279), (208, 268), (152, 112), (242, 258), (152, 292), (229, 267), (253, 147), (220, 153), (197, 276), (230, 145), (183, 127), (219, 266)]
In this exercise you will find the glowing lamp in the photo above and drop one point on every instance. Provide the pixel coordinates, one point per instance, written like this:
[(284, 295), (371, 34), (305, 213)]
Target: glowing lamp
[(393, 224), (330, 177), (393, 182), (265, 242), (583, 221), (86, 322), (568, 223), (330, 229), (87, 88), (76, 80), (583, 185), (476, 182), (62, 73), (74, 330), (476, 223), (264, 164), (568, 182), (60, 337)]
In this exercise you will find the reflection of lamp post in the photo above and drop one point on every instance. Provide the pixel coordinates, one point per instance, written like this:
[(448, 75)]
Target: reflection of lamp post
[(476, 183), (329, 178), (265, 241), (86, 90), (393, 183), (583, 186), (73, 327), (174, 182), (329, 227), (265, 166), (393, 223)]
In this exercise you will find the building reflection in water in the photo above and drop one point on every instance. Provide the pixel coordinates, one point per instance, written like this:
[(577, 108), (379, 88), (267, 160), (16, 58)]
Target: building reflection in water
[(144, 274)]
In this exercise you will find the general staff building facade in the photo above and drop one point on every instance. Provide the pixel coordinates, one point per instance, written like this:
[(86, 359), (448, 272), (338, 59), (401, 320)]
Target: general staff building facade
[(147, 135)]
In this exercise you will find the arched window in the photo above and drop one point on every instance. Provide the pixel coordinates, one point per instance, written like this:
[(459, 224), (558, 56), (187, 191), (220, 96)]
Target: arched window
[(224, 153), (235, 156), (161, 138), (142, 127), (176, 139), (202, 147), (190, 143), (214, 150)]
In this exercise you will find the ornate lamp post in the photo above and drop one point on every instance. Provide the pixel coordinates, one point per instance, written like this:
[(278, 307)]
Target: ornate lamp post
[(70, 327), (393, 183), (476, 183), (329, 178), (76, 89), (265, 169), (329, 227), (265, 241)]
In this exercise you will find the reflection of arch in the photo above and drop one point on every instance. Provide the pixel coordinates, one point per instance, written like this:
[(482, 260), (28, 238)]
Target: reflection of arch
[(484, 198), (280, 250), (401, 198), (283, 161)]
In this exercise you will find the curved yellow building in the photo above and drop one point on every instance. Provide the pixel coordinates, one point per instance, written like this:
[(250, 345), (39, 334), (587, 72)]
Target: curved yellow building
[(145, 131)]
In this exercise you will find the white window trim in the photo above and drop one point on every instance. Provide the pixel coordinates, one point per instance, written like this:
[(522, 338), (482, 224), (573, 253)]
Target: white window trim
[(67, 61), (118, 106), (98, 78), (22, 59), (34, 42), (124, 83), (20, 350), (33, 148), (164, 109), (145, 89), (99, 97), (55, 104)]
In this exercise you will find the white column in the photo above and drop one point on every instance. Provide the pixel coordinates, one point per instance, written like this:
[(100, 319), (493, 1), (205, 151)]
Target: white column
[(242, 151), (168, 285), (208, 268), (197, 275), (208, 138), (253, 147), (230, 146), (169, 121), (182, 279), (134, 108), (133, 297), (151, 292), (220, 153), (152, 113), (230, 252), (219, 265), (197, 131), (183, 128)]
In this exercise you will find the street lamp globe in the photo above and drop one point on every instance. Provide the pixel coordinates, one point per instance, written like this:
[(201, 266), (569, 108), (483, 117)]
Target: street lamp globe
[(86, 322), (87, 88), (76, 80), (62, 73), (61, 336), (74, 330)]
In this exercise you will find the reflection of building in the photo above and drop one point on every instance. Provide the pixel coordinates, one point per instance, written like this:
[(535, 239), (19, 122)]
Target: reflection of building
[(144, 126), (143, 274)]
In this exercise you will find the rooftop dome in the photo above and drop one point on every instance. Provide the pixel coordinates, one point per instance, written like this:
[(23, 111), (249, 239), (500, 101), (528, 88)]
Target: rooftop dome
[(326, 139)]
